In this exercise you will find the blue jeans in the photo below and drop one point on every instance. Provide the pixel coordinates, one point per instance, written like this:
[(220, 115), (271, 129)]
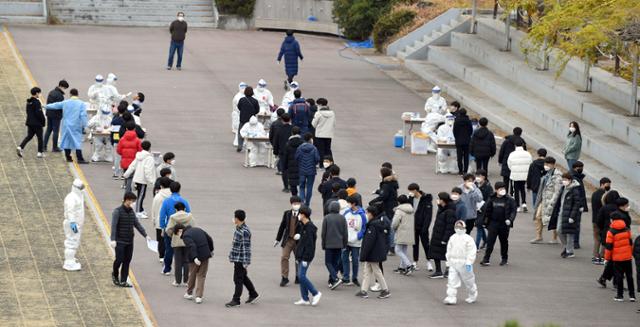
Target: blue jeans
[(331, 259), (168, 254), (306, 188), (306, 286), (481, 235), (355, 262), (534, 197), (175, 46), (570, 163), (53, 127)]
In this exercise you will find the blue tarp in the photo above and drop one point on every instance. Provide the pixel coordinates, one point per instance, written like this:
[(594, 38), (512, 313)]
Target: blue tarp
[(362, 44)]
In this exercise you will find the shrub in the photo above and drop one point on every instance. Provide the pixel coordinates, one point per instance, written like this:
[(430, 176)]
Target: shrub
[(390, 24), (242, 8), (357, 17)]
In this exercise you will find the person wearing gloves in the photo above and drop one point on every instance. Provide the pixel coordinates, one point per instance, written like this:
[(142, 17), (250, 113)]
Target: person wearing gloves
[(144, 174), (235, 112), (423, 206), (403, 226), (35, 123), (375, 245), (356, 222), (286, 237), (461, 254), (499, 214), (114, 97), (166, 210), (290, 50), (74, 120), (436, 103), (288, 97), (566, 213), (305, 252), (442, 231), (178, 30), (198, 247), (548, 193), (158, 199), (97, 94), (573, 146), (334, 238), (431, 123), (248, 107), (264, 97), (180, 255), (257, 150), (72, 224), (123, 220), (447, 160), (100, 127), (240, 256), (472, 199), (518, 162), (324, 121)]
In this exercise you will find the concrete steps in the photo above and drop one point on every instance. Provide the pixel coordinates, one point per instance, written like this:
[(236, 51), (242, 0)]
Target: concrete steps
[(505, 117), (440, 36)]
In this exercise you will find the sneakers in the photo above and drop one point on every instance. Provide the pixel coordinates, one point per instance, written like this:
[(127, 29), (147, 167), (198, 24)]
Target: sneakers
[(362, 294), (375, 288), (570, 255), (336, 284), (409, 271), (415, 267), (252, 299), (284, 281), (449, 300), (519, 209), (115, 280), (188, 296), (297, 281), (524, 207), (429, 266), (632, 299), (285, 190), (618, 299), (302, 302), (316, 299), (232, 304), (168, 67), (166, 273), (19, 152), (399, 270), (347, 282), (125, 284), (602, 282), (175, 284), (198, 300), (504, 262), (142, 215), (384, 294), (595, 260), (436, 275), (472, 298), (355, 282), (485, 263), (536, 241), (554, 242), (40, 155)]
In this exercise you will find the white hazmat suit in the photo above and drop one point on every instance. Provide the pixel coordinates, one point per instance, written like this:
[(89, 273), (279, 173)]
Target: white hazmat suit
[(98, 95), (461, 254), (436, 103), (257, 150), (72, 225), (112, 94), (288, 97), (100, 126), (429, 126), (264, 97), (447, 162), (235, 112)]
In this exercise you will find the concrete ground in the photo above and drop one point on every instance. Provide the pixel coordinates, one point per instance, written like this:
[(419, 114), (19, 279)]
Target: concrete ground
[(188, 112)]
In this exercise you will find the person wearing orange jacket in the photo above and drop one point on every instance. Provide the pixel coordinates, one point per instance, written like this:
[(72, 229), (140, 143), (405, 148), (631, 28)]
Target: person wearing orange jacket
[(619, 249)]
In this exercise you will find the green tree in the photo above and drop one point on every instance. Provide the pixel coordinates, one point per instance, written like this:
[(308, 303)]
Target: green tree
[(356, 18)]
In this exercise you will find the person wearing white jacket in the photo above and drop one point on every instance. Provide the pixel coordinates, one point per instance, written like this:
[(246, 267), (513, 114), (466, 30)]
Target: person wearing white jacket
[(144, 173), (461, 254), (403, 227), (72, 225), (264, 97), (324, 121), (235, 112), (519, 162), (158, 199)]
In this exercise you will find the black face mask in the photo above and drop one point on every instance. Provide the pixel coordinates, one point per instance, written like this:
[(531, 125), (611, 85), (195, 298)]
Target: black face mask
[(607, 188), (579, 170)]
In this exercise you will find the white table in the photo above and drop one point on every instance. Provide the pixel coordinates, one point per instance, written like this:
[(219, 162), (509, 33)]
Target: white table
[(270, 157), (443, 146), (410, 122)]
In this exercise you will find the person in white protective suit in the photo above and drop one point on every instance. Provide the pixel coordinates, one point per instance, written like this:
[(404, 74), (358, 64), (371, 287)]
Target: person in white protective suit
[(461, 254), (257, 151), (98, 94), (100, 126), (235, 112), (112, 94), (288, 97), (264, 97), (447, 158), (72, 224), (429, 127), (436, 103)]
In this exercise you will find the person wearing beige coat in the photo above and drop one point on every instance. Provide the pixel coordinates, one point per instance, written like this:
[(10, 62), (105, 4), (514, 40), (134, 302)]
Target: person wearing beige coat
[(180, 257), (403, 224)]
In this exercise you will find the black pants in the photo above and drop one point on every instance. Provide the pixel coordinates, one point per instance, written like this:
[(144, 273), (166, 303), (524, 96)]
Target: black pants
[(420, 236), (482, 163), (507, 183), (623, 269), (470, 223), (142, 192), (241, 279), (324, 147), (31, 132), (576, 236), (181, 264), (438, 265), (160, 240), (79, 157), (53, 126), (285, 178), (462, 152), (607, 272), (290, 78), (240, 138), (293, 187), (124, 253), (520, 192), (503, 235)]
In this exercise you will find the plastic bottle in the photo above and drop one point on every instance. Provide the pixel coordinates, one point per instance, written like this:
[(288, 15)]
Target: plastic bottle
[(398, 139)]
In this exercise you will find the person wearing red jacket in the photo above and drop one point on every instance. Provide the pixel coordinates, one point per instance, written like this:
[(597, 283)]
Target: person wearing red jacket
[(619, 249), (128, 146)]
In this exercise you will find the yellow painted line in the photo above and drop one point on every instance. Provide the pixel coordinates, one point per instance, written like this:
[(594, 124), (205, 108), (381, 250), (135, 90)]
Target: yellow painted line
[(29, 76)]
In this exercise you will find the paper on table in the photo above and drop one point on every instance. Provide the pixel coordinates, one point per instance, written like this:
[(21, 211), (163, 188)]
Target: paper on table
[(152, 245)]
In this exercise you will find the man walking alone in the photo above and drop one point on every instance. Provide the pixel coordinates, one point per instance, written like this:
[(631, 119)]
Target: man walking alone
[(240, 256)]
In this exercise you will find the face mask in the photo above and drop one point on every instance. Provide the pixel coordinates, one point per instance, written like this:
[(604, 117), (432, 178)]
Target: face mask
[(625, 209), (133, 204), (469, 184), (478, 180), (565, 182), (326, 164), (449, 123), (460, 231), (572, 129), (436, 96), (180, 18), (233, 220), (579, 170), (502, 192), (295, 207), (607, 188), (455, 197), (547, 168)]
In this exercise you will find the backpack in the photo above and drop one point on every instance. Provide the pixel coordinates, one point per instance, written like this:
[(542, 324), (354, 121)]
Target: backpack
[(300, 119)]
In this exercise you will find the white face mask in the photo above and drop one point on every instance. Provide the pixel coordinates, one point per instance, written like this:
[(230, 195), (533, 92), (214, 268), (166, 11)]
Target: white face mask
[(460, 231), (455, 197), (572, 129), (478, 180), (295, 207), (469, 184), (502, 192), (326, 164), (547, 168), (180, 18), (233, 220), (133, 204), (436, 96), (172, 162), (565, 182)]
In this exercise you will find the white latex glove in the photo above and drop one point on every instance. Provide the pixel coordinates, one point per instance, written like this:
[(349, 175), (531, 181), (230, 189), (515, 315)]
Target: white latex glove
[(128, 94), (305, 264), (197, 261), (507, 222), (148, 238), (571, 220), (113, 244), (296, 237), (275, 243)]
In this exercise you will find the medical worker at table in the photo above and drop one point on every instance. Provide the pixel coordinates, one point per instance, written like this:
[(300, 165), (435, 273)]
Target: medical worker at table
[(257, 150), (74, 120)]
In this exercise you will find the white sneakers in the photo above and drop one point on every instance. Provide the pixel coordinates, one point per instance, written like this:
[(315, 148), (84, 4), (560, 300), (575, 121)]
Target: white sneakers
[(198, 300), (375, 288), (142, 215), (523, 208), (316, 299), (40, 155), (176, 284), (429, 265), (302, 302), (189, 296), (450, 300)]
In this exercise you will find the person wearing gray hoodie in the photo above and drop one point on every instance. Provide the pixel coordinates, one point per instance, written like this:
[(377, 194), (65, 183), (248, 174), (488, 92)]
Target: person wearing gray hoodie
[(180, 256), (335, 237), (472, 199), (324, 121), (403, 225)]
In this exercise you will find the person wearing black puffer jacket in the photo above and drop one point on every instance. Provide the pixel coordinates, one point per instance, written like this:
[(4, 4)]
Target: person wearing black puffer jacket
[(290, 164), (373, 251), (604, 223), (536, 170), (508, 146), (500, 212), (576, 173), (54, 116), (443, 228), (566, 214), (305, 252), (423, 205), (462, 131), (35, 122), (308, 158), (483, 145), (123, 220)]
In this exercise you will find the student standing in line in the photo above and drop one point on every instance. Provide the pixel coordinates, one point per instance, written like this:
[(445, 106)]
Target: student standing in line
[(289, 228), (198, 247), (305, 252)]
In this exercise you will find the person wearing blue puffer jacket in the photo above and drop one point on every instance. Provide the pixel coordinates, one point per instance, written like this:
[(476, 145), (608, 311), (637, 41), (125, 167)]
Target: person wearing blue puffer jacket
[(308, 158), (290, 50), (300, 112)]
